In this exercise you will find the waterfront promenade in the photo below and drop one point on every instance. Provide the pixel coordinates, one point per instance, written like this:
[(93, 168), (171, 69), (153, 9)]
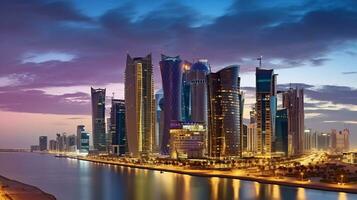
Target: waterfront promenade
[(14, 190), (232, 174)]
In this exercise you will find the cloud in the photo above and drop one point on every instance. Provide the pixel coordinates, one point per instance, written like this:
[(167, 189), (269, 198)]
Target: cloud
[(348, 73), (47, 56)]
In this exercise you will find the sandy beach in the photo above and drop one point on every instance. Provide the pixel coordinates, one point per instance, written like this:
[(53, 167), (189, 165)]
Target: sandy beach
[(14, 190)]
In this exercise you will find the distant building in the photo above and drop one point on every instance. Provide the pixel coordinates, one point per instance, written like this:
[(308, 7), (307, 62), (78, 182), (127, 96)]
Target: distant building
[(245, 138), (71, 143), (323, 141), (339, 140), (266, 105), (43, 143), (139, 105), (350, 157), (84, 142), (171, 73), (252, 138), (34, 148), (98, 119), (187, 139), (117, 127), (293, 100), (224, 128), (61, 142), (53, 145), (309, 140), (281, 132), (80, 129)]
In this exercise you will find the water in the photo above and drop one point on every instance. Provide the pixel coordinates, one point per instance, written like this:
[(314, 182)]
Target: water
[(69, 179)]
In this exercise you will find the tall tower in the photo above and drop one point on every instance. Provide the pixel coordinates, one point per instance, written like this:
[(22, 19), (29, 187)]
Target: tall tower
[(171, 73), (159, 119), (197, 78), (293, 100), (266, 105), (117, 127), (224, 96), (186, 92), (98, 119), (139, 105)]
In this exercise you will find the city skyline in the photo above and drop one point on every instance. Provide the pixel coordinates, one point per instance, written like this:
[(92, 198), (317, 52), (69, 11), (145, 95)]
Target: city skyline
[(44, 88)]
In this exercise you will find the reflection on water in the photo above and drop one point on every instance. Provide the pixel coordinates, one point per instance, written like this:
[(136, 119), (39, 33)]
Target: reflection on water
[(71, 179)]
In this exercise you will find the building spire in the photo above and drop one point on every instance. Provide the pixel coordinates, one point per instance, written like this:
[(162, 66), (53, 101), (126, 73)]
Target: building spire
[(260, 61)]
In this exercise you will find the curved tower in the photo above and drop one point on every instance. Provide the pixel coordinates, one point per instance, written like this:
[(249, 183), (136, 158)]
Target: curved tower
[(224, 117), (171, 73)]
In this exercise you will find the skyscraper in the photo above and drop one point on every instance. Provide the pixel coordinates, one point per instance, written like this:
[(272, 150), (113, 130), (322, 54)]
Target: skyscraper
[(43, 143), (266, 104), (80, 129), (186, 92), (339, 140), (117, 127), (281, 133), (171, 73), (98, 119), (293, 100), (139, 105), (224, 139), (198, 87)]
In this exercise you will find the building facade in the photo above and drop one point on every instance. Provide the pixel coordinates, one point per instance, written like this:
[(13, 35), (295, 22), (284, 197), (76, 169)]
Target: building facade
[(186, 92), (187, 139), (171, 73), (98, 119), (224, 134), (281, 132), (159, 119), (43, 143), (139, 105), (293, 100), (117, 127), (266, 105), (339, 140)]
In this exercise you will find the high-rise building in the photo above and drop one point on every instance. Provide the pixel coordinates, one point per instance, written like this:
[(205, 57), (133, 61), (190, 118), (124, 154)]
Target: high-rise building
[(98, 119), (117, 127), (84, 140), (281, 143), (187, 139), (186, 92), (244, 138), (61, 142), (139, 105), (252, 138), (43, 143), (339, 140), (323, 141), (80, 129), (53, 145), (159, 122), (171, 73), (293, 100), (309, 140), (71, 143), (224, 134), (266, 105), (198, 86)]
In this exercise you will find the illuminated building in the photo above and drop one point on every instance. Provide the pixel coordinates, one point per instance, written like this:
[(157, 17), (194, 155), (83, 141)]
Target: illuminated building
[(197, 78), (139, 105), (98, 119), (323, 141), (187, 139), (266, 104), (350, 157), (281, 132), (245, 138), (171, 73), (293, 100), (43, 143), (224, 128), (117, 127), (71, 143), (159, 122), (252, 137), (84, 142), (339, 140), (309, 140), (186, 92)]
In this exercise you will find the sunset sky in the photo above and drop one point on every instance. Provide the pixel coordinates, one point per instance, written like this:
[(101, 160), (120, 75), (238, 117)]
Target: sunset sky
[(52, 52)]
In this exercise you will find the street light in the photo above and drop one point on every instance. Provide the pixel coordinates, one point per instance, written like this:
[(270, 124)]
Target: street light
[(302, 176), (341, 178)]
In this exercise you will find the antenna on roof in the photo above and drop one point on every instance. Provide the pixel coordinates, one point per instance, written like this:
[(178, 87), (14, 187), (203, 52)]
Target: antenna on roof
[(260, 60), (113, 95)]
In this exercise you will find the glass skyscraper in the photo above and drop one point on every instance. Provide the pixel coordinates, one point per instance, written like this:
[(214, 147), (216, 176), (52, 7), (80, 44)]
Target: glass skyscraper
[(266, 104), (171, 73), (139, 105), (98, 119), (281, 132), (186, 92), (224, 123), (117, 127)]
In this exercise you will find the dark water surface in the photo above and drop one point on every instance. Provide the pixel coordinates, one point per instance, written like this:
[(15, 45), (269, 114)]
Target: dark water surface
[(69, 179)]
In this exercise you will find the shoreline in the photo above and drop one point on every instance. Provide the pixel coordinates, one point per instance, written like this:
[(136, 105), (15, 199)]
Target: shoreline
[(229, 174), (13, 189)]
